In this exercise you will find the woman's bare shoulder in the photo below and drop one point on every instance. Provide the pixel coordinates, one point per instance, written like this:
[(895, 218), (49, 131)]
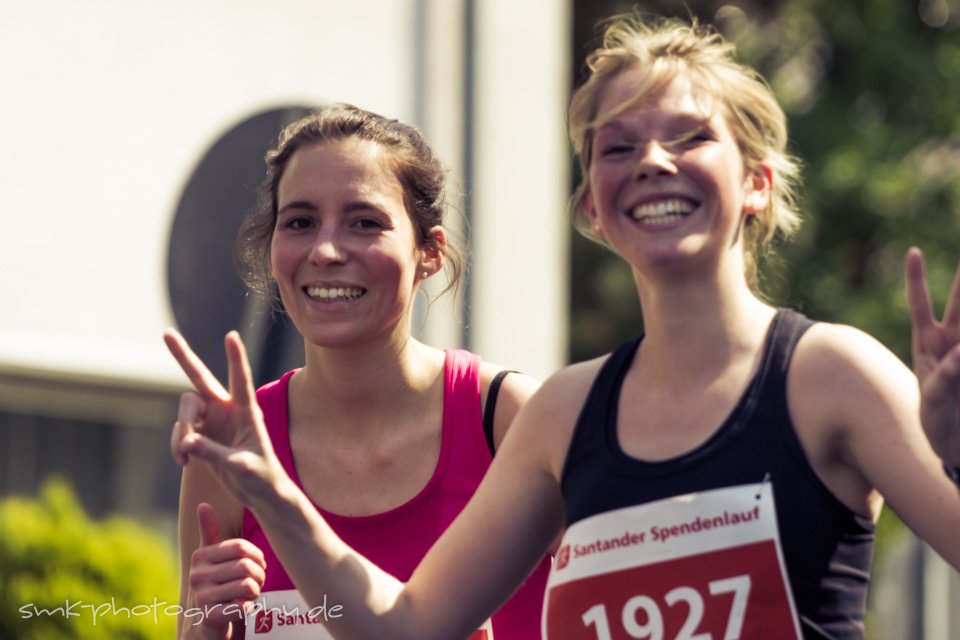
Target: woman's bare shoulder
[(548, 419)]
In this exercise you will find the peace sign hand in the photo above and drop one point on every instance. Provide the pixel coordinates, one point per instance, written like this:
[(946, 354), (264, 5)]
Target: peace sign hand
[(223, 427), (936, 360)]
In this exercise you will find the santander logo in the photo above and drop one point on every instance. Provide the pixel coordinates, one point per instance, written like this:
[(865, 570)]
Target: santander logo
[(563, 557), (264, 622)]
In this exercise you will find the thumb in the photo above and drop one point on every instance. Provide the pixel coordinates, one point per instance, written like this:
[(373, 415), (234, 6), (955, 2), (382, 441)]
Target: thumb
[(209, 524)]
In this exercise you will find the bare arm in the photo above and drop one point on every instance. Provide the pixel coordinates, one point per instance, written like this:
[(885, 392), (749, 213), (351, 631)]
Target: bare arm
[(857, 410), (471, 570)]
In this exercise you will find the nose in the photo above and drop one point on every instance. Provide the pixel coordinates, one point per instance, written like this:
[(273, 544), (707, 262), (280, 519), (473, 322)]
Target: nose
[(654, 160), (327, 247)]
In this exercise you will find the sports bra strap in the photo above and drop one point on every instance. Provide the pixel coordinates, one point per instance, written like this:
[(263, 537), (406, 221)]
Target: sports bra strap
[(490, 407)]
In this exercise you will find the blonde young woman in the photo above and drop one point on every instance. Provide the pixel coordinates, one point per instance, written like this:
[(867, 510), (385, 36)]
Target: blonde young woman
[(719, 475), (386, 437)]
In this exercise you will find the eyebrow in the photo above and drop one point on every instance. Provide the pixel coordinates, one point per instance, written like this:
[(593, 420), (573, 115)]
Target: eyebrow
[(353, 205), (296, 204), (695, 120)]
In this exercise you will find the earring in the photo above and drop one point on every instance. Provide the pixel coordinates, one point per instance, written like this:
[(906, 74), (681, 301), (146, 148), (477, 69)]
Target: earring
[(425, 275)]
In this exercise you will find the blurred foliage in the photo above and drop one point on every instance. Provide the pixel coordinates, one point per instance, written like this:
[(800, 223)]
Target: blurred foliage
[(111, 579), (871, 89)]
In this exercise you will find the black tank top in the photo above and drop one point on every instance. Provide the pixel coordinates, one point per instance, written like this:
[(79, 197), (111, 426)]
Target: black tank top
[(827, 548)]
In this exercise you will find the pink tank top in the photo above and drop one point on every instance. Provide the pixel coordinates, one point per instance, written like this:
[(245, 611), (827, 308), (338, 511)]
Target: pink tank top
[(397, 540)]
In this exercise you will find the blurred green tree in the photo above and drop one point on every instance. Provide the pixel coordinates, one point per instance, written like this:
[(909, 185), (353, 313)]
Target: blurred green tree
[(65, 576)]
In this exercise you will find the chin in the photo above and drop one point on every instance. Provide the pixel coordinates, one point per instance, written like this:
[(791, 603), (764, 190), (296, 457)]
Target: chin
[(677, 258), (334, 342), (333, 336)]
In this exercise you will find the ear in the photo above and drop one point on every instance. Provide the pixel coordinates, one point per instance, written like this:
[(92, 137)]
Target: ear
[(586, 205), (273, 273), (757, 190), (433, 255)]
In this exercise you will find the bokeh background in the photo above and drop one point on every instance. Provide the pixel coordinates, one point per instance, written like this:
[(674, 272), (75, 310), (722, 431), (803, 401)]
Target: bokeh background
[(133, 141)]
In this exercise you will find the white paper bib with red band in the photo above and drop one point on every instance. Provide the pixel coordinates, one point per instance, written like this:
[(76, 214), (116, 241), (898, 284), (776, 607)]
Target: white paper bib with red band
[(704, 566), (285, 615)]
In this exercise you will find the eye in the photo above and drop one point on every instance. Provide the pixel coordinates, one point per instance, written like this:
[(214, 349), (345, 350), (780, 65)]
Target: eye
[(615, 149), (296, 223), (702, 136), (368, 224), (694, 137)]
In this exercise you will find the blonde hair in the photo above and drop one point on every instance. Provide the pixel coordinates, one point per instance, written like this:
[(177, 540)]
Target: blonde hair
[(664, 49)]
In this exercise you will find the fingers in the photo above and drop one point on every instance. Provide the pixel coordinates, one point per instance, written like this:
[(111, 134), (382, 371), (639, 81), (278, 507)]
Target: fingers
[(217, 587), (224, 572), (178, 435), (239, 372), (194, 444), (951, 316), (918, 295), (198, 373), (939, 385), (209, 524), (189, 416), (214, 551), (222, 562), (236, 551)]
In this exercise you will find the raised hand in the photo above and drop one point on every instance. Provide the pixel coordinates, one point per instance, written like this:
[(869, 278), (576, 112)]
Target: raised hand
[(224, 576), (223, 427), (936, 360)]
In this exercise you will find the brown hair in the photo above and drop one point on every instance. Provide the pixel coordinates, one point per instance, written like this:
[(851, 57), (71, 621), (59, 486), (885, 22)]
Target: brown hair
[(420, 173)]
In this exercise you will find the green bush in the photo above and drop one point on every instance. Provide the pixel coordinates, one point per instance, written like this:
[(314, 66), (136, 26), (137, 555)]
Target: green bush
[(65, 576)]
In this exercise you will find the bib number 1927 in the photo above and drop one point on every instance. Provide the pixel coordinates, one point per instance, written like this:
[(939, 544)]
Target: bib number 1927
[(719, 575), (642, 616)]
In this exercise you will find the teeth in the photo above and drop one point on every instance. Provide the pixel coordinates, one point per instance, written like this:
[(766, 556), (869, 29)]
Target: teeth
[(333, 294), (662, 211)]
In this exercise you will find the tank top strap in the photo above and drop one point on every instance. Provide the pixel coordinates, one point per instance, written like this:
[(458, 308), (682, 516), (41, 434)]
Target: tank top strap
[(461, 389), (272, 398), (787, 328), (462, 413)]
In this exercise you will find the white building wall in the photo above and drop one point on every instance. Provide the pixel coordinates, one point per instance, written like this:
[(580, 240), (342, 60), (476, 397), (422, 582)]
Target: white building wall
[(519, 222), (107, 106)]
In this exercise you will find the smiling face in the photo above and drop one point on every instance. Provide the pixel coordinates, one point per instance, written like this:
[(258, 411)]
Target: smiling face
[(344, 252), (667, 181)]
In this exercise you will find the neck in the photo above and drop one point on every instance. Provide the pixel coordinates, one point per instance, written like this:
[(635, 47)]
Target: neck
[(695, 327), (355, 388)]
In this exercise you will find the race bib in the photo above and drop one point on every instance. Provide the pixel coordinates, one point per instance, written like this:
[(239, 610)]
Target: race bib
[(485, 632), (704, 566), (285, 614)]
